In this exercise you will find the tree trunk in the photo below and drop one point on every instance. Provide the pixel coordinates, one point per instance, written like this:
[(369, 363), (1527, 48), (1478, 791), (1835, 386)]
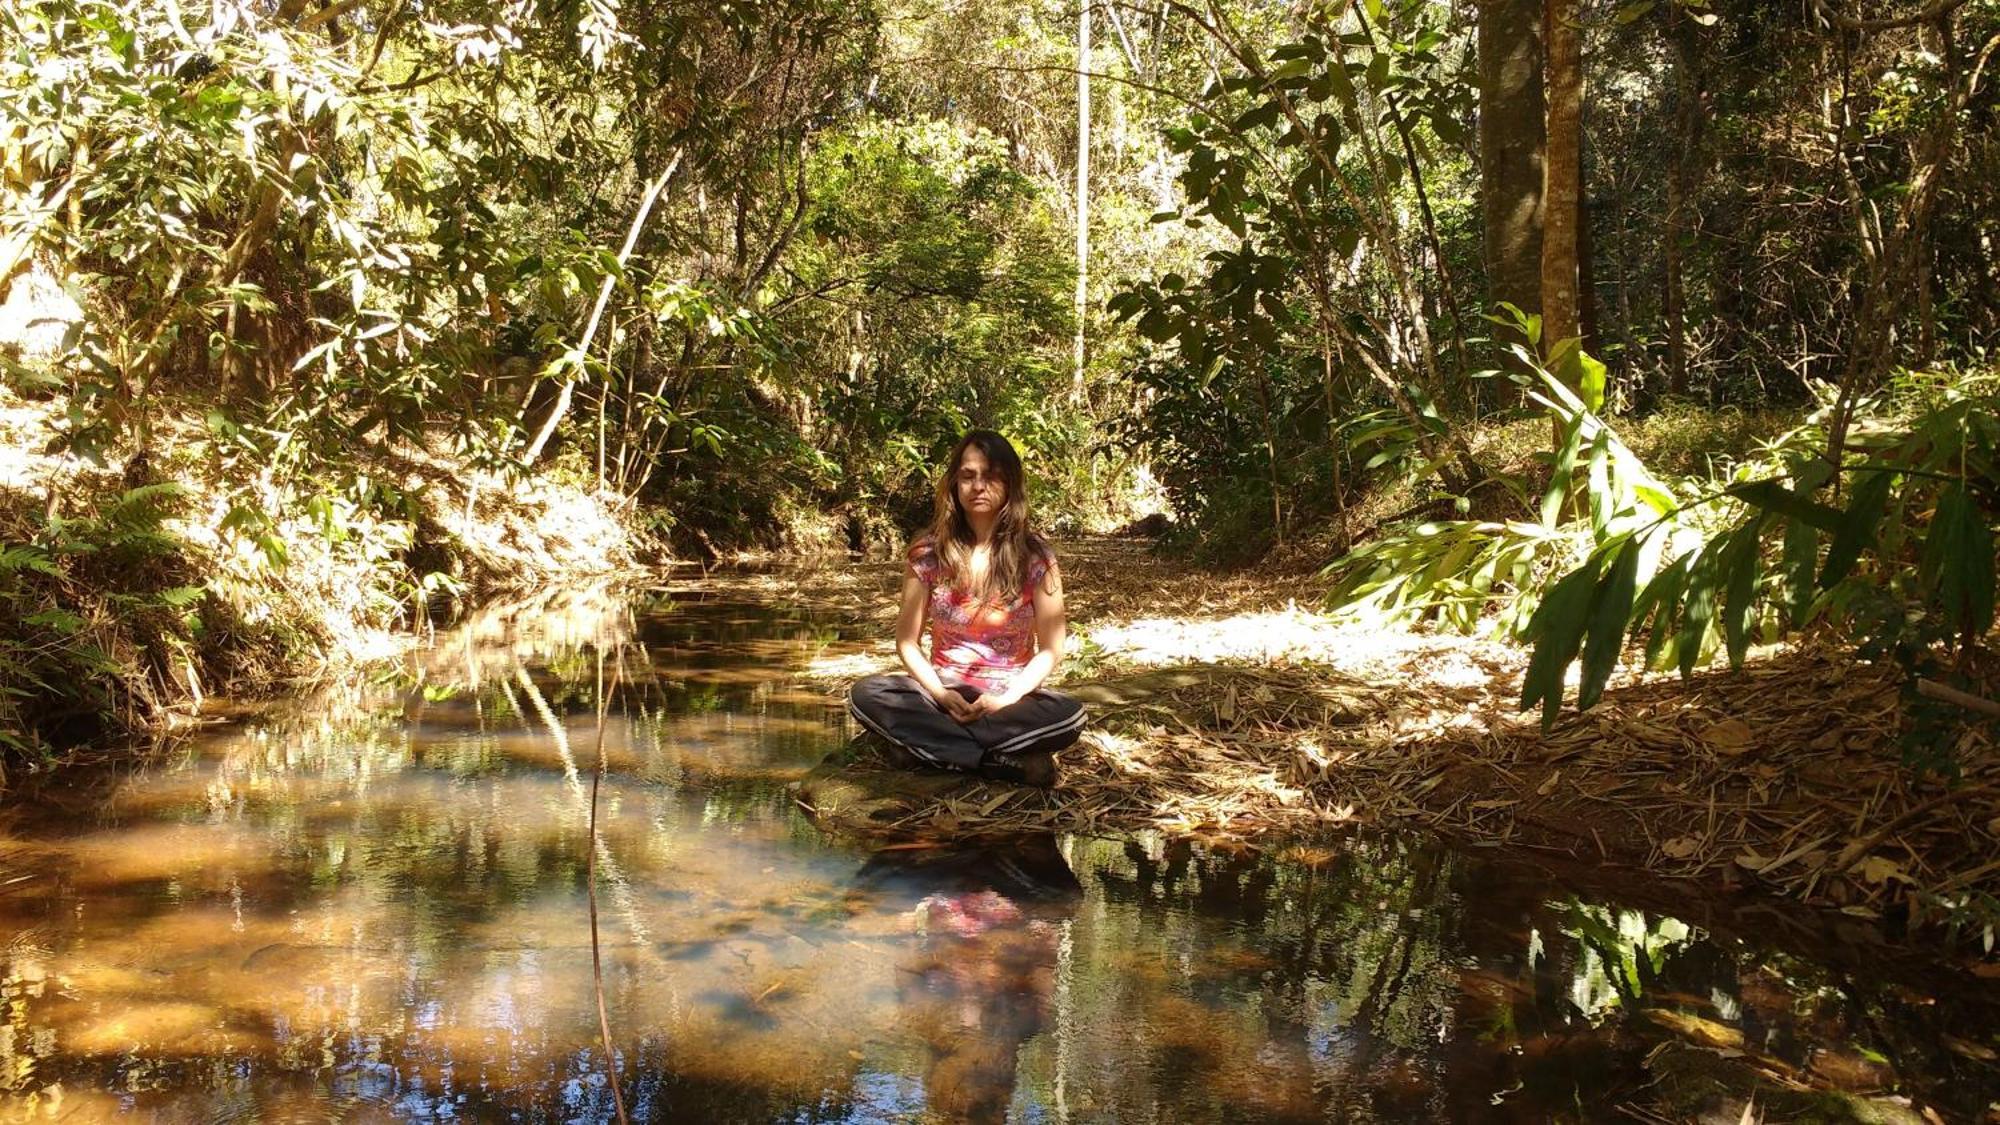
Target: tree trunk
[(1680, 176), (1510, 149), (1082, 187), (555, 416), (1562, 172)]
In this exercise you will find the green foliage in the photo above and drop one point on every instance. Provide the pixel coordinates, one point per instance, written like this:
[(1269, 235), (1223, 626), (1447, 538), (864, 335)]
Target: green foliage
[(1903, 559), (926, 293), (1269, 367), (103, 606)]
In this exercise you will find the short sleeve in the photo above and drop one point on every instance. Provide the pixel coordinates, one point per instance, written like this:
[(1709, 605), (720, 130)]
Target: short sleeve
[(1039, 562), (923, 561)]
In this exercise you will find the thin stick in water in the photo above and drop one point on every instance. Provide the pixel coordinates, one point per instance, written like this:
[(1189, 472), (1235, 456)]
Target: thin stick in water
[(590, 889)]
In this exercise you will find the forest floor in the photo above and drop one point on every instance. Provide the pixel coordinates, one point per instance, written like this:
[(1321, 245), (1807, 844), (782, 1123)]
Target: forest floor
[(1225, 708)]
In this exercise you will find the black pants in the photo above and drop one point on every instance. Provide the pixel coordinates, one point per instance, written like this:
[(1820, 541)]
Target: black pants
[(897, 708)]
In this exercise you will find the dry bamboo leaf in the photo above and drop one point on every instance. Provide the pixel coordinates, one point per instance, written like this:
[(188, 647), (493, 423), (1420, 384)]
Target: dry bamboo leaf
[(1751, 861), (1730, 737), (1652, 733), (1881, 869), (1681, 847)]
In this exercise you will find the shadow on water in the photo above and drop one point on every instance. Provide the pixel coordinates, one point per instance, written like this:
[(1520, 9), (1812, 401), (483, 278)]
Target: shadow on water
[(371, 908)]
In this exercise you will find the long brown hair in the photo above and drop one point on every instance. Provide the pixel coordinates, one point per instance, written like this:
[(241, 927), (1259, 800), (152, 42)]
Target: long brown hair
[(1014, 543)]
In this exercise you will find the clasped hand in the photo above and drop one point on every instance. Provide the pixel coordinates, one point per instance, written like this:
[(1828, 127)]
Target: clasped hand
[(966, 710)]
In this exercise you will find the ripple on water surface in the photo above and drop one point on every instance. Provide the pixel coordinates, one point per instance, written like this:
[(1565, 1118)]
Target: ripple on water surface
[(376, 912)]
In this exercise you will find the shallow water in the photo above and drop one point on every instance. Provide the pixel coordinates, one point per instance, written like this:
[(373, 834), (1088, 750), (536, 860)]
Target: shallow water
[(373, 908)]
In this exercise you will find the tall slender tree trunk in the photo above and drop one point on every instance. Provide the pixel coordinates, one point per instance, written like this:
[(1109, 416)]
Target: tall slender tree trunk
[(1562, 172), (1901, 250), (1680, 175), (555, 416), (1510, 149), (1082, 188)]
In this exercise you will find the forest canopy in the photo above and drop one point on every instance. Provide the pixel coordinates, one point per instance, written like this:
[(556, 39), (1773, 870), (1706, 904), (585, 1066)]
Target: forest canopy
[(1604, 321)]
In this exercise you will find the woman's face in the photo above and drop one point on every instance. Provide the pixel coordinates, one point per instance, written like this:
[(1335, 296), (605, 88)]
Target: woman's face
[(981, 492)]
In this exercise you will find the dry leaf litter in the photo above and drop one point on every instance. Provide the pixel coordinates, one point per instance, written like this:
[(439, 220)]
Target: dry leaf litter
[(1245, 715)]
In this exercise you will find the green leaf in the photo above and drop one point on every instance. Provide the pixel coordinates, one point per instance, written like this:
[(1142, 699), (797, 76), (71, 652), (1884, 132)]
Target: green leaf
[(1738, 565), (1630, 12), (1859, 526), (1589, 381), (1603, 504), (1958, 561), (1773, 496), (1661, 599), (1528, 324), (179, 597), (57, 620), (1557, 631), (1559, 479), (1378, 70), (1698, 611), (1257, 117), (1801, 558), (1290, 68), (1610, 613), (26, 556)]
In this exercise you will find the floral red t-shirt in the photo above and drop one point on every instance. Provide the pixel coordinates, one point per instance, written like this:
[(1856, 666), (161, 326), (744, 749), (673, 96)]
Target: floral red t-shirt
[(982, 644)]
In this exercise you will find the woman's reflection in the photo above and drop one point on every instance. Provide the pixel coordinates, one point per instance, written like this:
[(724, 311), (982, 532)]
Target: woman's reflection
[(978, 977)]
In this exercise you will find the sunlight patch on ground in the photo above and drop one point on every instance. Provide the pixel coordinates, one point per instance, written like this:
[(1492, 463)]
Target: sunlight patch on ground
[(846, 666), (1294, 634), (1290, 633)]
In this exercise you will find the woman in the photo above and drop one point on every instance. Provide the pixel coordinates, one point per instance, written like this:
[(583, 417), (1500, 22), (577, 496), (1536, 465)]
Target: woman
[(990, 591)]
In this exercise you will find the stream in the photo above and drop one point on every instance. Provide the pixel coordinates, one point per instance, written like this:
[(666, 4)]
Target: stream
[(369, 905)]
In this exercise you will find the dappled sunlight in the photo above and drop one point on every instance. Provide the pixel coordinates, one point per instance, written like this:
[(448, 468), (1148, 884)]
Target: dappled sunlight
[(1294, 635), (1288, 634), (1123, 754), (519, 526)]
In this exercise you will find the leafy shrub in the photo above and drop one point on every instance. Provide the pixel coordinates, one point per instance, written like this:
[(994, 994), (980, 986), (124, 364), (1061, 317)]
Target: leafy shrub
[(105, 607), (1891, 544)]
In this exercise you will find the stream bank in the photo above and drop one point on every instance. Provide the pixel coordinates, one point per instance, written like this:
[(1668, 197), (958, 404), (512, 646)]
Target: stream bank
[(134, 587)]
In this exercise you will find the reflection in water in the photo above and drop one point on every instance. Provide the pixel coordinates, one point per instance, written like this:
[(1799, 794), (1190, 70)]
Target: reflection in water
[(376, 913), (977, 985)]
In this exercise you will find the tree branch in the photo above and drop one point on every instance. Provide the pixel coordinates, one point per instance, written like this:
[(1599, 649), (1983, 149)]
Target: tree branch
[(1936, 11), (561, 406)]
